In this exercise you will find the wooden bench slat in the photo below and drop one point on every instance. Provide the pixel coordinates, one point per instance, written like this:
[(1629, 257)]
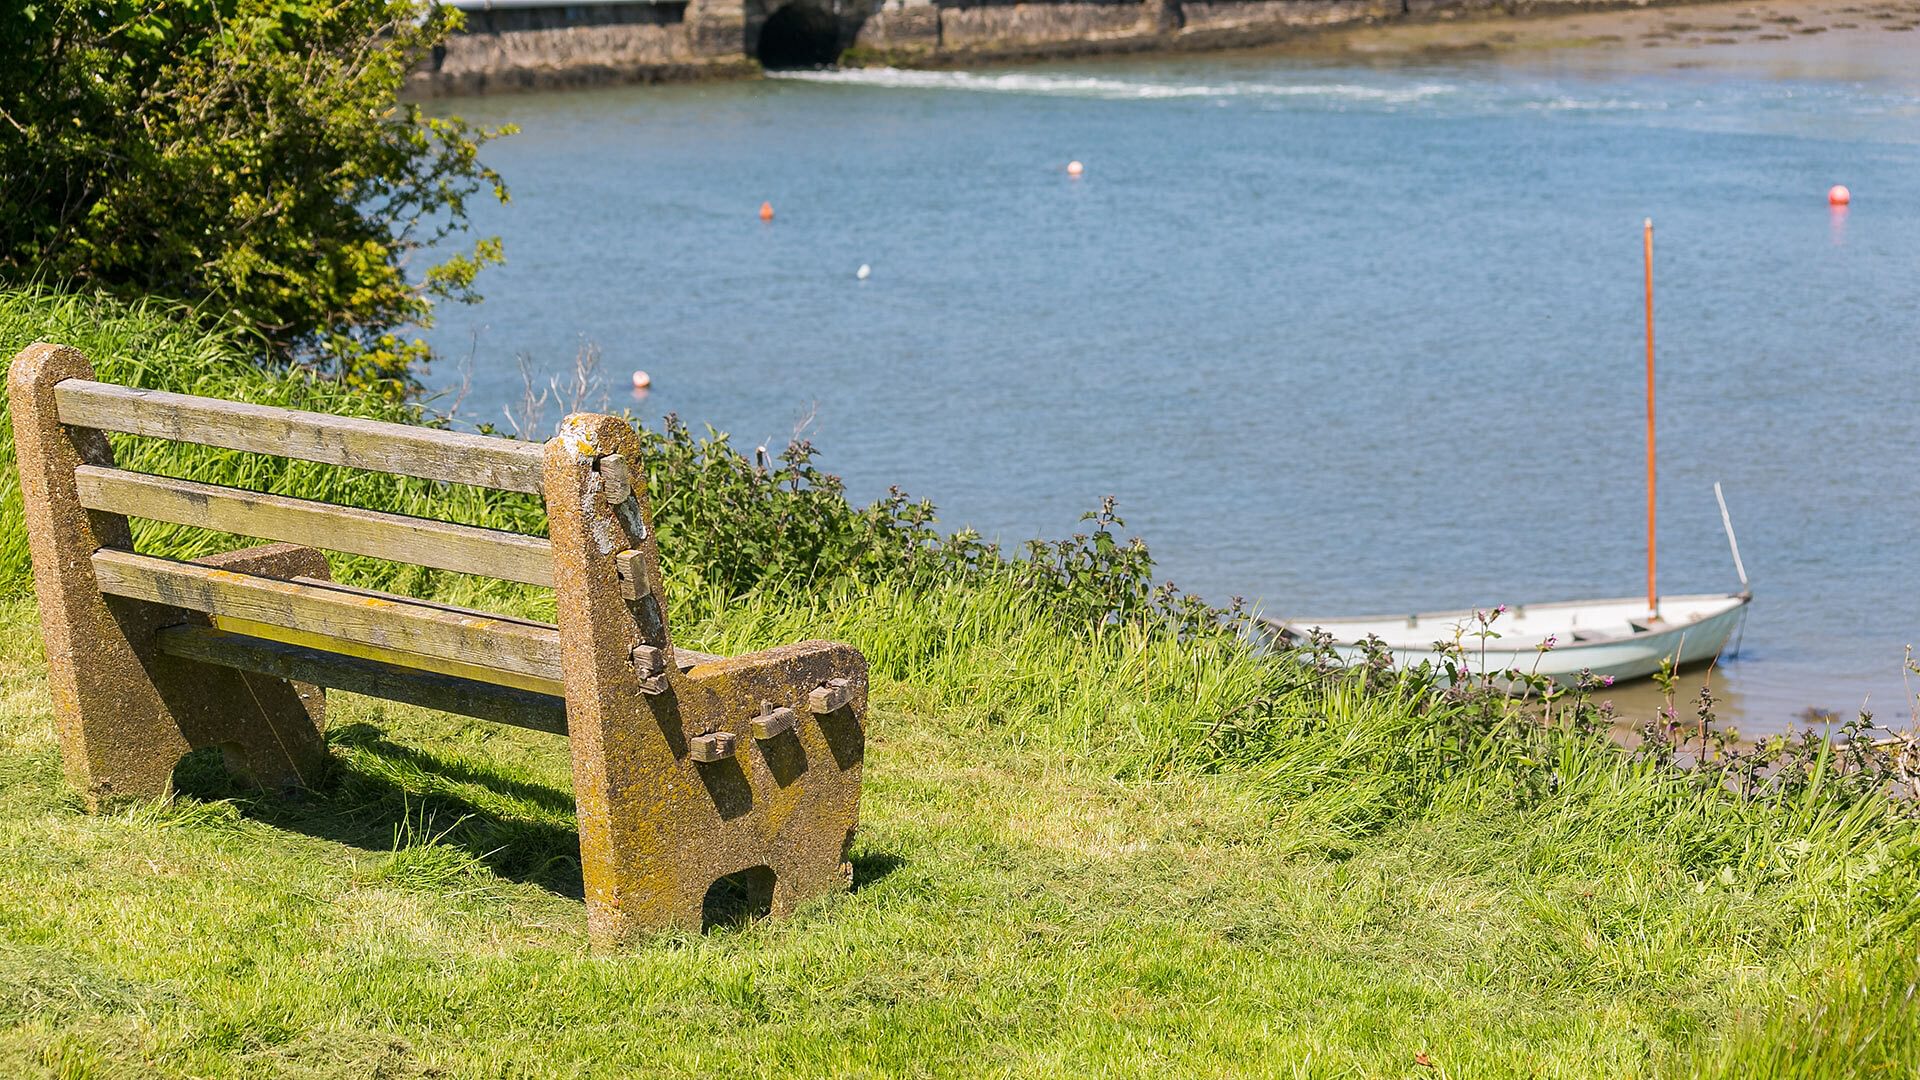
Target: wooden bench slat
[(393, 630), (428, 453), (381, 628), (501, 704), (443, 545), (356, 590), (686, 658)]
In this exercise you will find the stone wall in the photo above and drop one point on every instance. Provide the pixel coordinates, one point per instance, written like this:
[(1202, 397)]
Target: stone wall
[(1018, 26), (535, 48), (1238, 14), (508, 48)]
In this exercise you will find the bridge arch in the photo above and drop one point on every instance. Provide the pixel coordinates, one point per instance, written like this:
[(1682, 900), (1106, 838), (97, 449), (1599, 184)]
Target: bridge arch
[(800, 34)]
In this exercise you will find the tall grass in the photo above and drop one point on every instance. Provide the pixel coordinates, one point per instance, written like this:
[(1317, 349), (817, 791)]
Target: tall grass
[(149, 344), (1339, 757), (1056, 654)]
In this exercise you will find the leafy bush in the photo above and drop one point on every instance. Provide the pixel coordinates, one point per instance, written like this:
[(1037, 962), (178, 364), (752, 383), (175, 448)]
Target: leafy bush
[(729, 525), (783, 524), (249, 157)]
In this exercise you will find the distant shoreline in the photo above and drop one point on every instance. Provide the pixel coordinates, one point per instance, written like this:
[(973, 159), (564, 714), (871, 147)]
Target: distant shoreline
[(1810, 26), (499, 53), (1467, 28)]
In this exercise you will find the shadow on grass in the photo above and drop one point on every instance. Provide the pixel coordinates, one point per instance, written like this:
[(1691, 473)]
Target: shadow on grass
[(382, 795), (365, 738), (871, 866)]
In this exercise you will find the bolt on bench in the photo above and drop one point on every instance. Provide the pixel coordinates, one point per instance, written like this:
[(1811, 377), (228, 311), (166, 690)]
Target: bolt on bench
[(687, 768)]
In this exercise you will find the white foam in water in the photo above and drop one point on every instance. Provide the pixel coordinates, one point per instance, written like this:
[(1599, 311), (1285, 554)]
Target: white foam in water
[(1572, 104), (1015, 82)]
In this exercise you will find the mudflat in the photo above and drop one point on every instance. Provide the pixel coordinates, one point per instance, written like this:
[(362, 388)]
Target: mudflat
[(1794, 38)]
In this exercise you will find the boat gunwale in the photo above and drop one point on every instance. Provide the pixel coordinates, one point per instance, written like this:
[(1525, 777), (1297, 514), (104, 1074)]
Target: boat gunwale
[(1741, 599)]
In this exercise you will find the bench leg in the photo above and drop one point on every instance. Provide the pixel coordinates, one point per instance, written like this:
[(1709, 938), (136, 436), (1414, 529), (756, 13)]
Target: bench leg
[(800, 805), (271, 731), (675, 788), (125, 713)]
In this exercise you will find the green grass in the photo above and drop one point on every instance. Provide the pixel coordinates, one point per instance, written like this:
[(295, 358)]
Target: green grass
[(1079, 855), (143, 345), (1028, 902)]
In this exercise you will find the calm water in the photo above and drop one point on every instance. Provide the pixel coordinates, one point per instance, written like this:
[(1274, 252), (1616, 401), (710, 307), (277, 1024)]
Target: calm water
[(1341, 338)]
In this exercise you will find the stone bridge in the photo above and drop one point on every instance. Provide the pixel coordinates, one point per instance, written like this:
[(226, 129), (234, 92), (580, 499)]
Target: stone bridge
[(518, 44)]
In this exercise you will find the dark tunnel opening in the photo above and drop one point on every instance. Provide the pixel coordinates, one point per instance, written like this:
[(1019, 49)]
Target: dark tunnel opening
[(799, 35)]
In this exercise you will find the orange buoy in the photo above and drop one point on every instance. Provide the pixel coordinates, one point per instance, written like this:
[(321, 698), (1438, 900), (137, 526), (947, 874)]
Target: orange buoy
[(1074, 168), (642, 380), (1838, 195), (766, 211)]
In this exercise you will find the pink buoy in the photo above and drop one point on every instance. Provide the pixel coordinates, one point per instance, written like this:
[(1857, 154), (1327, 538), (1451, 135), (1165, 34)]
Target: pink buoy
[(642, 380), (1838, 195), (1074, 168)]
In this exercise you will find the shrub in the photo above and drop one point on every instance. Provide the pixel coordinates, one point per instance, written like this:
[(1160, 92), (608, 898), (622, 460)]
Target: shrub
[(728, 524), (249, 157)]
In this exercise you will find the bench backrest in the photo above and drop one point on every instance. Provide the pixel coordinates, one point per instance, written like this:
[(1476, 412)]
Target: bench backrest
[(394, 630)]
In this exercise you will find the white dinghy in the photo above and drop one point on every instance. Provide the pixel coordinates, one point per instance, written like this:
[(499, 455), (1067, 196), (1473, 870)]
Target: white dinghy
[(1625, 639), (1606, 637)]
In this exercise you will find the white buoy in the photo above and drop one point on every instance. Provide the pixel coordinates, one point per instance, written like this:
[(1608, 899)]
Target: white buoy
[(864, 272), (642, 380), (1074, 168)]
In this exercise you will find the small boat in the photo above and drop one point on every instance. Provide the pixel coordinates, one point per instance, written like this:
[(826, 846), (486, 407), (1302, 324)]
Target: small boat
[(1625, 639), (1606, 637)]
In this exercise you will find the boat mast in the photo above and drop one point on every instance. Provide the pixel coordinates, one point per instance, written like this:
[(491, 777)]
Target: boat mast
[(1653, 596)]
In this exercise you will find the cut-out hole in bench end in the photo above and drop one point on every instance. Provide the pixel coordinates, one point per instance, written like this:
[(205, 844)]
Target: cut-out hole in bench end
[(738, 899)]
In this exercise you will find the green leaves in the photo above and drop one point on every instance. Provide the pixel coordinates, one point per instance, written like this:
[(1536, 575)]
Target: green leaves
[(250, 157)]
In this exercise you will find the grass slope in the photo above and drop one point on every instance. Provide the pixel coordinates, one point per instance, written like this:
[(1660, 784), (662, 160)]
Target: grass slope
[(1020, 909), (1078, 856)]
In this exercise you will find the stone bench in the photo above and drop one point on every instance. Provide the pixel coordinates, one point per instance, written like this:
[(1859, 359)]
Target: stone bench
[(687, 768)]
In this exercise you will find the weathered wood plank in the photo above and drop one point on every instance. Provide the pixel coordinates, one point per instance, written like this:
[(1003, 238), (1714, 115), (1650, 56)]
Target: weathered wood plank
[(690, 659), (632, 568), (428, 453), (356, 590), (501, 704), (686, 658), (443, 545), (391, 630)]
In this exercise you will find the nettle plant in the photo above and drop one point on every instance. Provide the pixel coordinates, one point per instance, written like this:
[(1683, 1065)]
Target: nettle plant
[(779, 522), (1824, 755), (1825, 760)]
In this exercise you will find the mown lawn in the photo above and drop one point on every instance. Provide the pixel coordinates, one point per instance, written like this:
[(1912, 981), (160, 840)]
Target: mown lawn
[(1018, 910)]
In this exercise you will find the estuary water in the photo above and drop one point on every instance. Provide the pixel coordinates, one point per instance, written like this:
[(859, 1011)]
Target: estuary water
[(1344, 333)]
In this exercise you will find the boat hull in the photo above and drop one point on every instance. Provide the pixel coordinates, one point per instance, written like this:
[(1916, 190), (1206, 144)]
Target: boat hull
[(1612, 644)]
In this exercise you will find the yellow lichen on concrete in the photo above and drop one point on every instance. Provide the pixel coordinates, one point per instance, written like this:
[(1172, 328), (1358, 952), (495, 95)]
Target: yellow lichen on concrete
[(658, 827)]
